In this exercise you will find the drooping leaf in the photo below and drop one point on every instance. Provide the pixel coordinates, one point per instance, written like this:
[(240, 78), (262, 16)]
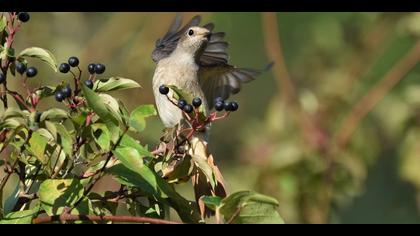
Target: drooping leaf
[(21, 217), (128, 141), (42, 54), (56, 194), (102, 136), (37, 145), (54, 114), (247, 207), (14, 112), (148, 181), (212, 202), (115, 83), (97, 104), (64, 139), (139, 115), (129, 157)]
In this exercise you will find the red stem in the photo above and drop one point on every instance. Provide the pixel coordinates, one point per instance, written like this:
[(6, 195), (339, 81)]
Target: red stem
[(132, 219)]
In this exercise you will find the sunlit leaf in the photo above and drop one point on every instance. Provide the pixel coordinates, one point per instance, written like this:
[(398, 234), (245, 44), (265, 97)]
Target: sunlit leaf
[(42, 54), (248, 207), (115, 83), (56, 194), (102, 136), (21, 217), (37, 145), (54, 114), (139, 115)]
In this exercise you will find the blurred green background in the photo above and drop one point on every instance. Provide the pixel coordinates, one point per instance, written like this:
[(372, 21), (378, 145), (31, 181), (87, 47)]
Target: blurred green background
[(297, 135)]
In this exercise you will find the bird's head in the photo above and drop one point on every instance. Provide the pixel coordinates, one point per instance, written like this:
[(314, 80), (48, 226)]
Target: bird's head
[(194, 40)]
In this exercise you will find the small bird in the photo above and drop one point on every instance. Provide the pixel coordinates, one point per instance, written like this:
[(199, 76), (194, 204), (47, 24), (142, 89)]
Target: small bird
[(195, 59)]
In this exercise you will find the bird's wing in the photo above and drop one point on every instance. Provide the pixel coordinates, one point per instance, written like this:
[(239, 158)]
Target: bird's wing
[(167, 44), (224, 80), (214, 53)]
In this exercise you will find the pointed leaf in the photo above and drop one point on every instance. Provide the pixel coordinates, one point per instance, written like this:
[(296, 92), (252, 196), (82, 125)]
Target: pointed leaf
[(115, 83), (42, 54), (248, 207), (139, 115)]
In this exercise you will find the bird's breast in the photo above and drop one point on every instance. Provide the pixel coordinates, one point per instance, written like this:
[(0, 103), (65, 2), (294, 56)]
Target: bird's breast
[(183, 75)]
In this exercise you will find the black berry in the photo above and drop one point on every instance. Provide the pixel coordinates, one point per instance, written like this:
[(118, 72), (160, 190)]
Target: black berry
[(219, 106), (20, 68), (188, 108), (182, 103), (23, 16), (66, 91), (91, 68), (227, 106), (2, 78), (89, 83), (163, 90), (31, 72), (73, 61), (234, 106), (99, 68), (196, 102), (59, 96), (64, 68)]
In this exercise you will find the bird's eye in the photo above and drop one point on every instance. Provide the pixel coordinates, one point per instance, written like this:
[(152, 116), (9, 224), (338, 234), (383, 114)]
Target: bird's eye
[(190, 32)]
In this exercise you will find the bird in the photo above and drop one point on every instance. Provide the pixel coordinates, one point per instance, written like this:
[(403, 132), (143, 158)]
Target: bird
[(194, 58)]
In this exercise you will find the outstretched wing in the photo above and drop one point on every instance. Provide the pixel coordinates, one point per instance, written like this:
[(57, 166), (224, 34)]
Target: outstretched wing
[(214, 53), (224, 80)]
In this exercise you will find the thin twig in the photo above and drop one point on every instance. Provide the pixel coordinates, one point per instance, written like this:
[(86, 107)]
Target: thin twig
[(368, 102)]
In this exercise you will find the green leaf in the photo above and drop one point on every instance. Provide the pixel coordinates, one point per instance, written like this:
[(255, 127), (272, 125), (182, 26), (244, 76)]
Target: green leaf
[(102, 136), (64, 139), (3, 23), (54, 114), (112, 105), (115, 83), (139, 115), (37, 145), (148, 181), (128, 141), (212, 202), (247, 207), (45, 91), (42, 54), (96, 103), (56, 194), (21, 217), (105, 109), (14, 112), (129, 157), (12, 123), (180, 94)]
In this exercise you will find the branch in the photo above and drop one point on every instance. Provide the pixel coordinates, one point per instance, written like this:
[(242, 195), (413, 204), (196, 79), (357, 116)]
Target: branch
[(132, 219), (368, 102), (275, 53)]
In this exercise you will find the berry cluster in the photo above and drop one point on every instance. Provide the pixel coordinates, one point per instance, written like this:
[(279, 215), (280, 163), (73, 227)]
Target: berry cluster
[(219, 104), (22, 69), (73, 62)]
